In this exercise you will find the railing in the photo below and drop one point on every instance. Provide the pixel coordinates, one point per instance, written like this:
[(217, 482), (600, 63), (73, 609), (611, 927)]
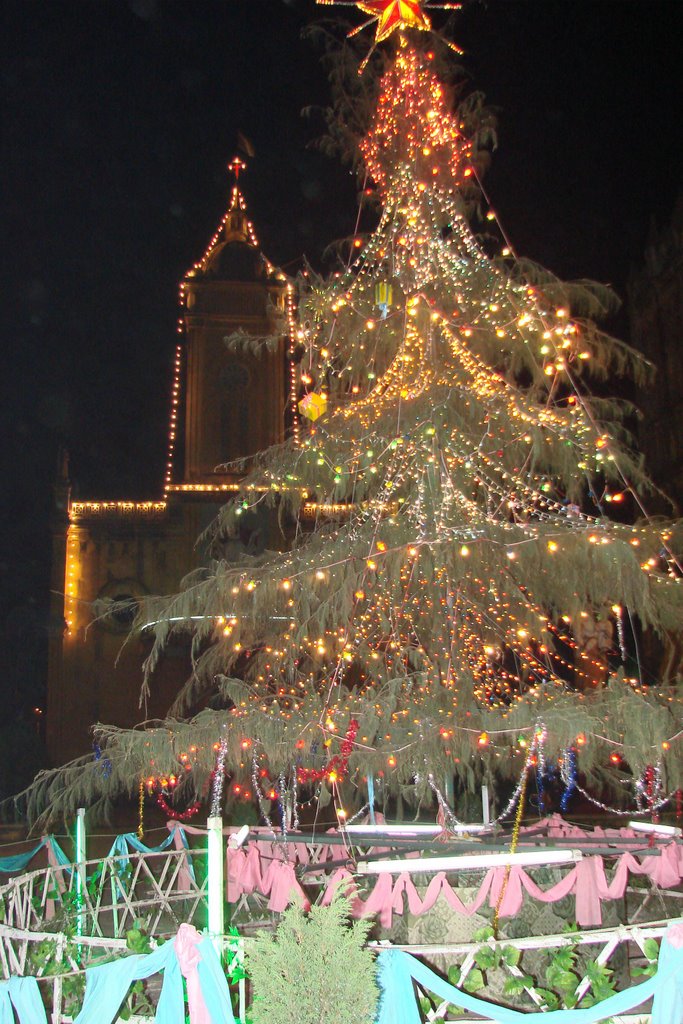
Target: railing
[(625, 942), (161, 887), (51, 924)]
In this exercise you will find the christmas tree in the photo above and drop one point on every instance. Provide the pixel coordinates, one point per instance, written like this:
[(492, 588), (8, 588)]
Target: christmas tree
[(454, 568)]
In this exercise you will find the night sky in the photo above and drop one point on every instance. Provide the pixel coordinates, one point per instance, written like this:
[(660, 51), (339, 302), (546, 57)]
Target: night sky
[(119, 118)]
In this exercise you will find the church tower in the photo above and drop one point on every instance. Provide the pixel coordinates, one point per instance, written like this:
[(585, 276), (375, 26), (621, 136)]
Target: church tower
[(230, 398), (233, 315)]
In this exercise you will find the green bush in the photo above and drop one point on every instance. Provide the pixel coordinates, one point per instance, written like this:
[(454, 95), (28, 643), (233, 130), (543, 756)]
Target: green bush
[(315, 969)]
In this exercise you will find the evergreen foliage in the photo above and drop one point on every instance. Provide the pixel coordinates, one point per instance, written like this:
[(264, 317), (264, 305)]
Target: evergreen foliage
[(459, 486), (315, 969)]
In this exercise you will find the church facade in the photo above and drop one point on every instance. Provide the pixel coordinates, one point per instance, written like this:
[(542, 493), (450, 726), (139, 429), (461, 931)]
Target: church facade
[(233, 394)]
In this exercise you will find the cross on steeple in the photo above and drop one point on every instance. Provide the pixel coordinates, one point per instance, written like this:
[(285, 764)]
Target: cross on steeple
[(237, 165)]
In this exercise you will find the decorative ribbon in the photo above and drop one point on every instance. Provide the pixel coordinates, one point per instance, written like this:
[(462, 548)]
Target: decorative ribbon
[(398, 971), (132, 840), (186, 942)]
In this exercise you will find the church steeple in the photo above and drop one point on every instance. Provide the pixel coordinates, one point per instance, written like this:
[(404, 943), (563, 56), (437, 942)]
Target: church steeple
[(237, 227), (234, 398), (234, 251)]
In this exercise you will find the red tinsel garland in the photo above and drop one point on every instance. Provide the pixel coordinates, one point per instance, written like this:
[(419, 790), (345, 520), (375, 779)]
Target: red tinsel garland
[(336, 767), (178, 815)]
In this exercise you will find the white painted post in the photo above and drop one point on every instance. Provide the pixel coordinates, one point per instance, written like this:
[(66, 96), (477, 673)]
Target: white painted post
[(485, 810), (81, 879), (216, 886)]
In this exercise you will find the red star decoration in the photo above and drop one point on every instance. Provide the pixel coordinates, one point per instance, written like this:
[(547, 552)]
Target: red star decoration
[(395, 14), (391, 15)]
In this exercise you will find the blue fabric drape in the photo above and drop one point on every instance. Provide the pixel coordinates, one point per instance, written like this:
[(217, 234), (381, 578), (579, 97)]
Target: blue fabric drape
[(398, 970), (213, 984), (19, 861), (106, 987), (121, 844), (130, 839), (22, 994), (667, 1005)]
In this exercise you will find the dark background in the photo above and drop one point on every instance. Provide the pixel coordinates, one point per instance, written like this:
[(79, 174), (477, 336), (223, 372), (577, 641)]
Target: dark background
[(119, 118)]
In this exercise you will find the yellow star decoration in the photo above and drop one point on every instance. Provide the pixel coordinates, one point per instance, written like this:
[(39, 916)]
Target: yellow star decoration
[(395, 14), (391, 15)]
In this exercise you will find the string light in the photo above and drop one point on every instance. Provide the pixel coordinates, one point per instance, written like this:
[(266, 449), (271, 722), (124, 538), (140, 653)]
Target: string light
[(90, 509), (173, 421), (445, 481)]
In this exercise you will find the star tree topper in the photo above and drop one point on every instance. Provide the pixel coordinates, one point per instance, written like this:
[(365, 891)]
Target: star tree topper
[(392, 15)]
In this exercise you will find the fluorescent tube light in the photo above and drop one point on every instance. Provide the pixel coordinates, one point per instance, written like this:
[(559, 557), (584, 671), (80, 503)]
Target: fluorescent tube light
[(468, 862), (662, 830), (410, 830)]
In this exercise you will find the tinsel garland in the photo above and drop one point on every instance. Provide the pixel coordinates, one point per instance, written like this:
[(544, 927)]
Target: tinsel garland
[(176, 815), (218, 779), (541, 735), (141, 809), (337, 767), (157, 786), (568, 775), (513, 846)]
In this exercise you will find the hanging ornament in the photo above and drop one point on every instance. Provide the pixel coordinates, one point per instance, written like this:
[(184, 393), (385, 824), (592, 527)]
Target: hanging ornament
[(384, 296), (106, 763), (313, 406)]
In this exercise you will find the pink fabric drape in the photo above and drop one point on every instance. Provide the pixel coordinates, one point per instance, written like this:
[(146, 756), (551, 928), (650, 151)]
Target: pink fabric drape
[(58, 876), (186, 942), (586, 881), (184, 875), (267, 867)]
